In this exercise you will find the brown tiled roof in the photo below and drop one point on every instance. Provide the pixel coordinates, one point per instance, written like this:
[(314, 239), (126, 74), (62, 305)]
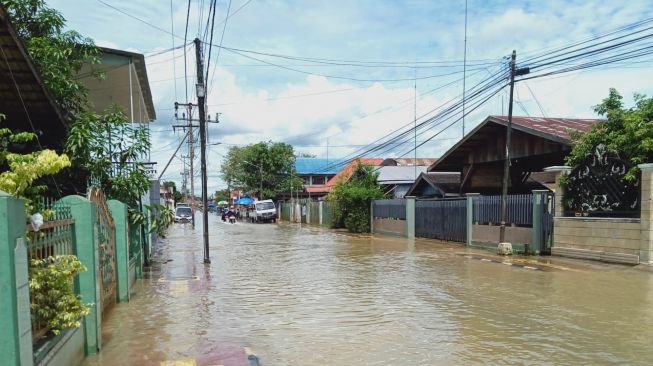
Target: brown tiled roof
[(555, 127), (343, 174)]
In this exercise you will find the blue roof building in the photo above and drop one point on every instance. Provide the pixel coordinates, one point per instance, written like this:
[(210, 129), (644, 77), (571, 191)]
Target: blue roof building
[(316, 171)]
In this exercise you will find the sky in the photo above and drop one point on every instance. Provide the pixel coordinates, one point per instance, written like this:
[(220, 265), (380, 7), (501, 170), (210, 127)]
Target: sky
[(335, 108)]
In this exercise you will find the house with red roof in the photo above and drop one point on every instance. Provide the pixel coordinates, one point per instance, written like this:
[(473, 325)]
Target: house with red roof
[(343, 175), (537, 143)]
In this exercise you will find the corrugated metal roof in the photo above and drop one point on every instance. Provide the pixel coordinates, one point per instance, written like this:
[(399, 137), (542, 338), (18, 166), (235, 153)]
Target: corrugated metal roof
[(399, 174), (316, 166), (556, 127), (408, 161)]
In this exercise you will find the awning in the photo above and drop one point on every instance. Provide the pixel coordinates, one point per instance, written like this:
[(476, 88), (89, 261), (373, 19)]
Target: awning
[(244, 201)]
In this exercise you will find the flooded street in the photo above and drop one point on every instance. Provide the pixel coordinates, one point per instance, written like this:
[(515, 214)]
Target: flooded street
[(302, 295)]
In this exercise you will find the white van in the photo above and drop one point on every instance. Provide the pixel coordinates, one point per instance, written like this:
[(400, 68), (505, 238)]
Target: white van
[(264, 211)]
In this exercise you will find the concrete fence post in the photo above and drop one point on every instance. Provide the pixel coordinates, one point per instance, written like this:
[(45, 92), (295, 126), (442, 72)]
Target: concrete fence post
[(470, 217), (646, 216), (83, 211), (119, 213), (372, 217), (410, 217), (538, 202), (16, 329), (321, 212)]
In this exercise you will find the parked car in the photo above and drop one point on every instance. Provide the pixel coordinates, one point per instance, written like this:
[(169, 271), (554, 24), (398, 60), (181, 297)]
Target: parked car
[(264, 211), (183, 214)]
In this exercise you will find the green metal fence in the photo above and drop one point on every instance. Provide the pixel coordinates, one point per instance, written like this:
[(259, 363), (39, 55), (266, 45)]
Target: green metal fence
[(328, 209), (285, 211), (314, 208)]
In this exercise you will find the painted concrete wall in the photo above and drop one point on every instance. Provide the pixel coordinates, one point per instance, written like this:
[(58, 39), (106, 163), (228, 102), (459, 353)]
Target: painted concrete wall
[(619, 240), (390, 227), (514, 235), (604, 239), (69, 351)]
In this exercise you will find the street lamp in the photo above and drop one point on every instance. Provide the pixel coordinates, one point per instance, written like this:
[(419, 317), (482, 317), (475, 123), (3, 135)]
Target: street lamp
[(260, 192)]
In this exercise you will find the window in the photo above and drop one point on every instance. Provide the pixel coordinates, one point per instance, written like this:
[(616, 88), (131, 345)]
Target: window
[(319, 180)]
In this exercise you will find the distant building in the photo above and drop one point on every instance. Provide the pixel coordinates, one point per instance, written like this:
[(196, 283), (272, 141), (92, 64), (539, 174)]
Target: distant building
[(315, 171), (318, 191)]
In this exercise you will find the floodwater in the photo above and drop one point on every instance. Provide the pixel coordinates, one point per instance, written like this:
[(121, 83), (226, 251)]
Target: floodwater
[(302, 295)]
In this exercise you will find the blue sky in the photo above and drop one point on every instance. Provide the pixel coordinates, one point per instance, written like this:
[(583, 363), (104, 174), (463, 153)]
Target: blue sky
[(261, 102)]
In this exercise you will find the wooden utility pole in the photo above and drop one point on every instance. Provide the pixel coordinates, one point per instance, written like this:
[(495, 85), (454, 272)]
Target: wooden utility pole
[(201, 101)]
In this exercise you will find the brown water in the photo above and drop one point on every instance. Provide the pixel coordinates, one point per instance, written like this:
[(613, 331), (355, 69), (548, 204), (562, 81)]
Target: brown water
[(310, 296)]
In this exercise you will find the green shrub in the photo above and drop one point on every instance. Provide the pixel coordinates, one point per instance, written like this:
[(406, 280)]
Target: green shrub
[(54, 302)]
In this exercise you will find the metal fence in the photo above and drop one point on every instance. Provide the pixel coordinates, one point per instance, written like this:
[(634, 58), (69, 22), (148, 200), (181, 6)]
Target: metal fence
[(444, 219), (393, 208), (106, 247), (314, 209), (487, 210), (54, 237)]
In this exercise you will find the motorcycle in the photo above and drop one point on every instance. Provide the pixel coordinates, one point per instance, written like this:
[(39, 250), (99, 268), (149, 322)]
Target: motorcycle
[(232, 219)]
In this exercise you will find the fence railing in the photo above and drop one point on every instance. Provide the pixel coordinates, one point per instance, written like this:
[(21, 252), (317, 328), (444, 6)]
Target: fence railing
[(487, 210), (392, 208), (444, 219), (54, 237)]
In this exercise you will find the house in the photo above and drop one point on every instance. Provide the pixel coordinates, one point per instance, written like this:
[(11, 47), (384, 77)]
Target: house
[(24, 100), (537, 143), (125, 84), (315, 171), (318, 191), (435, 185)]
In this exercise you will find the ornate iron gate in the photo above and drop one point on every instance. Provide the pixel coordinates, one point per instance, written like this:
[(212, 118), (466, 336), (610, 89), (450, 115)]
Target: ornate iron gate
[(105, 240), (444, 219)]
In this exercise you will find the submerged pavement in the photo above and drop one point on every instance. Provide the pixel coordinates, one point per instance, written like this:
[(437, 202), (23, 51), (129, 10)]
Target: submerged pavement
[(285, 294)]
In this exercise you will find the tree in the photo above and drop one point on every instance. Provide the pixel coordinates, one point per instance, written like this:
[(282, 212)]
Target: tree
[(627, 131), (222, 195), (266, 165), (353, 198), (57, 54), (108, 149)]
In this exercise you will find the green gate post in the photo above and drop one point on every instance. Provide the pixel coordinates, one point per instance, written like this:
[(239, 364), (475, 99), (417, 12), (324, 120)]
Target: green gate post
[(119, 213), (538, 201), (16, 329), (83, 211), (410, 217), (470, 216)]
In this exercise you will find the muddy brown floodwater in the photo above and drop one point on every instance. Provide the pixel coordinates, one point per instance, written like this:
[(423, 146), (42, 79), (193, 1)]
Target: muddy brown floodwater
[(301, 295)]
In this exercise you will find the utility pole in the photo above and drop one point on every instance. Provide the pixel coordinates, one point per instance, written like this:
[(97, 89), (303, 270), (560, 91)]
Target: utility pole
[(201, 102), (191, 148), (506, 164)]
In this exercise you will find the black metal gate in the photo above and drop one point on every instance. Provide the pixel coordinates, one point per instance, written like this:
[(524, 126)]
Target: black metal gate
[(548, 209), (444, 219)]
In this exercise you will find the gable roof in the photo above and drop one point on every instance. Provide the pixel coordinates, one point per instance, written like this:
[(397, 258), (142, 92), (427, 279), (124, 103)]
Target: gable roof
[(344, 174), (306, 166), (440, 181), (24, 99), (551, 129)]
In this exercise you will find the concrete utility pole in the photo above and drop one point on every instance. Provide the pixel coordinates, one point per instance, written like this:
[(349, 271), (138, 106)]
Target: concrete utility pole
[(191, 148), (506, 165), (201, 101)]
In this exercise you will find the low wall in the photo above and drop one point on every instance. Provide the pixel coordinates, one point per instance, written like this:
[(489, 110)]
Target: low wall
[(390, 227), (487, 236), (606, 239), (67, 349)]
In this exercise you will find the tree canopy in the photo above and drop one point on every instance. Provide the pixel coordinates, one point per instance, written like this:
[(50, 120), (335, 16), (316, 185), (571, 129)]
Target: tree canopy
[(626, 131), (353, 197), (270, 165), (57, 54)]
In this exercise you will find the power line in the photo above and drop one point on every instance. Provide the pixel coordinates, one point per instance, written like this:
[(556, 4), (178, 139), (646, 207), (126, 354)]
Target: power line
[(217, 58), (185, 41)]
